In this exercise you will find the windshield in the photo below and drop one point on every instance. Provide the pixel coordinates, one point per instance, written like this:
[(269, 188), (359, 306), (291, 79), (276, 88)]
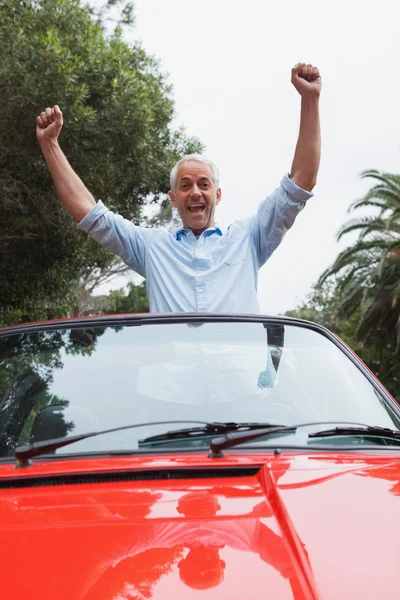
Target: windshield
[(66, 382)]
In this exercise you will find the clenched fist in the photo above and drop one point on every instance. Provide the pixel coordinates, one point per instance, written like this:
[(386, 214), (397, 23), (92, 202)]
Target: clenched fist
[(307, 80), (49, 124)]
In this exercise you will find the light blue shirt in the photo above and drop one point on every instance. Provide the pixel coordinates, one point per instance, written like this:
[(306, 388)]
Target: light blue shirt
[(217, 272)]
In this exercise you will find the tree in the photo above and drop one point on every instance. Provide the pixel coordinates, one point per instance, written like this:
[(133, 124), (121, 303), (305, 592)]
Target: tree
[(27, 365), (358, 297), (134, 301), (319, 306), (118, 135), (370, 267), (323, 306)]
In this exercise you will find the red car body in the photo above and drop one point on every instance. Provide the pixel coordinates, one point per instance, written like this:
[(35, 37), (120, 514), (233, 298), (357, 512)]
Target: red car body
[(270, 522)]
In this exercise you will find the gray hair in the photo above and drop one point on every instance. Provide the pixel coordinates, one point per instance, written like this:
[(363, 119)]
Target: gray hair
[(198, 158)]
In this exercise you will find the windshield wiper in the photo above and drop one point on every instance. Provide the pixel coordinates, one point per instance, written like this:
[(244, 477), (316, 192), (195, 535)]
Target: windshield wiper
[(234, 439), (234, 434), (23, 454), (366, 431), (207, 430)]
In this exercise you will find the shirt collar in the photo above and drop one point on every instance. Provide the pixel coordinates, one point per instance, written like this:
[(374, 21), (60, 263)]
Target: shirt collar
[(215, 228)]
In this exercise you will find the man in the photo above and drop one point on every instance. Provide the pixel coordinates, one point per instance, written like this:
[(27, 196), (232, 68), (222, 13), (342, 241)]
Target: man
[(191, 546), (198, 268)]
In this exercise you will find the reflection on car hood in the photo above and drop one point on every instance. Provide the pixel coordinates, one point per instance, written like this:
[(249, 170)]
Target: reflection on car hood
[(248, 526)]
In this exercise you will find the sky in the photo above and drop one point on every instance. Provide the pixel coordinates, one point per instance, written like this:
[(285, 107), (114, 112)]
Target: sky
[(230, 65)]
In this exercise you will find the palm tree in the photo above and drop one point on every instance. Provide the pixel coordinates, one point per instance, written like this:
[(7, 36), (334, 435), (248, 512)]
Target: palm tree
[(368, 271)]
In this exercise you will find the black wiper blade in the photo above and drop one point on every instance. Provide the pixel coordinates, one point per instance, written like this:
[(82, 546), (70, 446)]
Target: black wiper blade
[(209, 429), (367, 431), (241, 437), (23, 454)]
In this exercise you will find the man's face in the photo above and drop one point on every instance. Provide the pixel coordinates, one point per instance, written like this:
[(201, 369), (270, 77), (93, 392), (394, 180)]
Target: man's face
[(196, 196)]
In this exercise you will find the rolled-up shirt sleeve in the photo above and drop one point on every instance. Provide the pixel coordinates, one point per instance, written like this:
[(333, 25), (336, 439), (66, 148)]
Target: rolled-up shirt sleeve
[(275, 216), (117, 234)]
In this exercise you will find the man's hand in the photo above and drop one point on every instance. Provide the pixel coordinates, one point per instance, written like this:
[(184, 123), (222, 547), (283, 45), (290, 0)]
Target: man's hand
[(304, 171), (72, 191), (306, 79), (49, 124)]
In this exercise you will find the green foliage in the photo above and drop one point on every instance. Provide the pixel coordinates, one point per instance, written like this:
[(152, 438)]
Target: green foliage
[(320, 305), (117, 135), (369, 269), (133, 301), (323, 305), (368, 275), (27, 365), (358, 297)]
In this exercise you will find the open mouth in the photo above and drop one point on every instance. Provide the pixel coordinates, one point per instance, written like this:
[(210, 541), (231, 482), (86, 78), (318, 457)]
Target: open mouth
[(196, 208)]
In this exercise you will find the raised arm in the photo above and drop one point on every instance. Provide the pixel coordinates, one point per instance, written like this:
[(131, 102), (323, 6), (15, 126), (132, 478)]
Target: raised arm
[(307, 81), (72, 191)]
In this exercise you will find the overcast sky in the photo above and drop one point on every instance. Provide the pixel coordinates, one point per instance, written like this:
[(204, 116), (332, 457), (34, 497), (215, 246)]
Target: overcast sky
[(229, 64)]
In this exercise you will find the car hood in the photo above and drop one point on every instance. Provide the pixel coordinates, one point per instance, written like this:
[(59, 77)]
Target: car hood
[(248, 526)]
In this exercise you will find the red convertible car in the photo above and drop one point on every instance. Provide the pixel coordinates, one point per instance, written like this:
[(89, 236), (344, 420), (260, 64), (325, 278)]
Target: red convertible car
[(194, 456)]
